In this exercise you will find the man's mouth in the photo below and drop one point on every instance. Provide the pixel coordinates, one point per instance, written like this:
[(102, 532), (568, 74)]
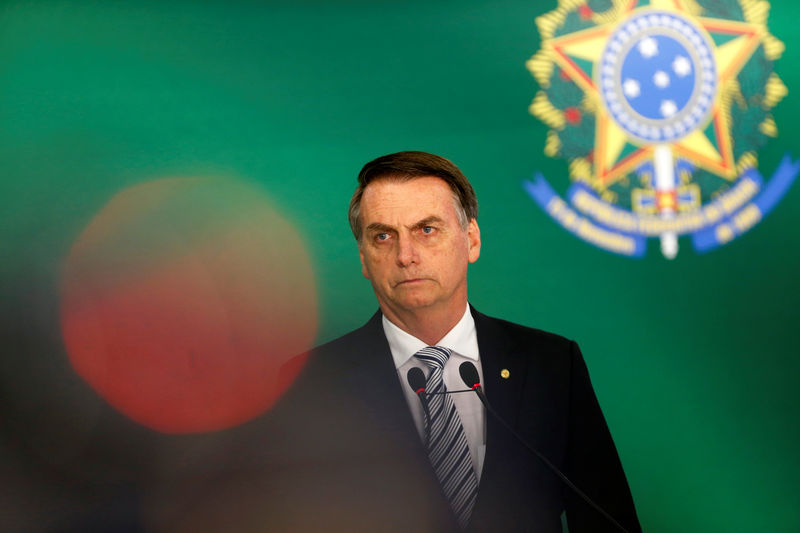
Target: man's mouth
[(410, 281)]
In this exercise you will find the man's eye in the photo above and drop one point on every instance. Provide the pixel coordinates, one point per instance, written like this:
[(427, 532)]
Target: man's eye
[(382, 236), (427, 230)]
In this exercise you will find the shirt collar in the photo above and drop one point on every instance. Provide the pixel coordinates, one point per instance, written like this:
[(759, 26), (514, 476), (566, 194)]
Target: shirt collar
[(462, 339)]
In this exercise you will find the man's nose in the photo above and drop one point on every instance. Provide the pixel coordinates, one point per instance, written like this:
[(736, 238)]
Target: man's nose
[(406, 251)]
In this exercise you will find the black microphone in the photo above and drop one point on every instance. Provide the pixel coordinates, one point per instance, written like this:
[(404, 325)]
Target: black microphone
[(469, 374), (416, 380)]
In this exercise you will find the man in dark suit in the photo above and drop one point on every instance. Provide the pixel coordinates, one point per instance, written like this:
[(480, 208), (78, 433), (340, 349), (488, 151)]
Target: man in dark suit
[(354, 447)]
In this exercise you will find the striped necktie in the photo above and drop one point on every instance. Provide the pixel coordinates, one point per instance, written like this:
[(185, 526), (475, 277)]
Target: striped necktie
[(447, 444)]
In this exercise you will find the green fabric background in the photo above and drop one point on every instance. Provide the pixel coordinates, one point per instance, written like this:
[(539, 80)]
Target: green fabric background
[(694, 360)]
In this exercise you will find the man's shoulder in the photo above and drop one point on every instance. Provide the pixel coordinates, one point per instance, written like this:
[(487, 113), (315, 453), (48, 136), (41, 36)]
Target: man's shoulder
[(370, 333), (339, 353), (519, 334)]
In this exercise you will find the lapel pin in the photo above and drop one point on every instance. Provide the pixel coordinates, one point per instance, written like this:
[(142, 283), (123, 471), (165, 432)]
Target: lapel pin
[(505, 373)]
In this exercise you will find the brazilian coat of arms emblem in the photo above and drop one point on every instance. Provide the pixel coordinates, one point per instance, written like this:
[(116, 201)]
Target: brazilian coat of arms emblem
[(660, 109)]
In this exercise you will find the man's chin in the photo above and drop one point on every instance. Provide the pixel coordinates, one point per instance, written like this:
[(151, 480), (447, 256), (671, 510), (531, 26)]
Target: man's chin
[(412, 302), (414, 294), (424, 303), (417, 304)]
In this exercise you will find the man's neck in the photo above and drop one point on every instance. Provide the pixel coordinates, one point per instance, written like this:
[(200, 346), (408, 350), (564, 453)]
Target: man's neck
[(428, 325)]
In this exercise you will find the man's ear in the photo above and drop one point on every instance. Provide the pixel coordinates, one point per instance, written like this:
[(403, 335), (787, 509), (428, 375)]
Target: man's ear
[(363, 264), (474, 240)]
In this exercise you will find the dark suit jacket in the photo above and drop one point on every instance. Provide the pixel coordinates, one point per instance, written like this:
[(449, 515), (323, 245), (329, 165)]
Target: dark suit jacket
[(345, 454)]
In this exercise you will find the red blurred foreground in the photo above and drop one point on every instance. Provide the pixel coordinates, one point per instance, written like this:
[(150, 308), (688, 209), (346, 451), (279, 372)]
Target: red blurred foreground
[(182, 299)]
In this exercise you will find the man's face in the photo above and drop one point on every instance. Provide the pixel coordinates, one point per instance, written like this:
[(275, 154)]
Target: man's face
[(413, 249)]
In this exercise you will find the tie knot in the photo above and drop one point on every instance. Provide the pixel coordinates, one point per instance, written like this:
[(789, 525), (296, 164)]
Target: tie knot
[(434, 356)]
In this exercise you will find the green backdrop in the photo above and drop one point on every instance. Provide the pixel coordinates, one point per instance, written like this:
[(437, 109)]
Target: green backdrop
[(694, 360)]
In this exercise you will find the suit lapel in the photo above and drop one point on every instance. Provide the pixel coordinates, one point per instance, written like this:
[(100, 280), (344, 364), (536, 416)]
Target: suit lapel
[(503, 393), (503, 373), (373, 374)]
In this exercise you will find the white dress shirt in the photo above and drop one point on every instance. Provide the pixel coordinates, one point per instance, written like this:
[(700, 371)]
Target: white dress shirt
[(463, 341)]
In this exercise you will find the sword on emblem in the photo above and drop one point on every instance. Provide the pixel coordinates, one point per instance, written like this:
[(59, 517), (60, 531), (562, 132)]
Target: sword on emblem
[(666, 195)]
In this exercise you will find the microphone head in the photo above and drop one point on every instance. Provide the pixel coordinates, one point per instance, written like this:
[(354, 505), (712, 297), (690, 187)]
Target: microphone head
[(469, 374), (416, 379)]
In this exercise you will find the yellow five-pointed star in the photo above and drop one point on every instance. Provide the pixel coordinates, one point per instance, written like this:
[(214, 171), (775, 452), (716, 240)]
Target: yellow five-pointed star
[(615, 153)]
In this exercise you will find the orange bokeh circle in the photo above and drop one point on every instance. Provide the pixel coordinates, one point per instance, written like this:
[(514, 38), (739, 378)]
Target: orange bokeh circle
[(182, 301)]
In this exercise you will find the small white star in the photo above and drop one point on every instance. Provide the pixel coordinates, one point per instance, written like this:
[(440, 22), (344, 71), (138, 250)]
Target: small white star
[(668, 108), (648, 47), (661, 79), (681, 66), (631, 88)]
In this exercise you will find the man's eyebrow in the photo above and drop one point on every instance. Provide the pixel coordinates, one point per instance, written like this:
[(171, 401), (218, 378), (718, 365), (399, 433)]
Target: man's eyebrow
[(380, 227), (427, 221)]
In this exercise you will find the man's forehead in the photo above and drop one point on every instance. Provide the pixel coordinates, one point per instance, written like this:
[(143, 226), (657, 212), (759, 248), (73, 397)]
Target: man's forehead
[(417, 198), (399, 179)]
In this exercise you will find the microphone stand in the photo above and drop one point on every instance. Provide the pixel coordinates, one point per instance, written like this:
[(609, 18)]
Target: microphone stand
[(470, 376)]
